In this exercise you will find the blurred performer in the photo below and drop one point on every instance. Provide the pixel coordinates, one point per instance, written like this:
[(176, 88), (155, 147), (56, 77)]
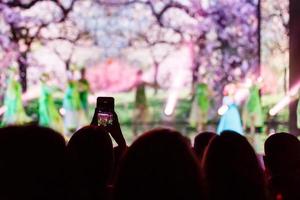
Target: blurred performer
[(84, 92), (48, 113), (74, 116), (141, 107), (14, 110), (230, 119), (253, 115), (200, 107)]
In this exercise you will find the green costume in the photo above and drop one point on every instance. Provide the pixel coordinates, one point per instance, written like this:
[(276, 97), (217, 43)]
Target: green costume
[(74, 116), (253, 108), (48, 113), (72, 98), (200, 106), (140, 97), (203, 97), (14, 113), (141, 112), (83, 93)]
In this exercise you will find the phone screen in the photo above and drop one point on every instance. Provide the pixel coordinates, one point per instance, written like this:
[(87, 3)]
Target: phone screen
[(105, 119)]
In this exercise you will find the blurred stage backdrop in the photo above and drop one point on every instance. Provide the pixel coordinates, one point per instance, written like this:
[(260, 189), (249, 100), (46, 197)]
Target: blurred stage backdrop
[(167, 47)]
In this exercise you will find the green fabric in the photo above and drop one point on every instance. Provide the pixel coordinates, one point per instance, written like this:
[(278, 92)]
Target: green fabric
[(72, 98), (253, 106), (74, 116), (140, 97), (253, 103), (48, 113), (83, 93), (202, 97), (14, 113)]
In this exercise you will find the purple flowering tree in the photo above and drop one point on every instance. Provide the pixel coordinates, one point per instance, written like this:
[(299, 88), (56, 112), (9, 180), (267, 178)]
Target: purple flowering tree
[(24, 23), (223, 34)]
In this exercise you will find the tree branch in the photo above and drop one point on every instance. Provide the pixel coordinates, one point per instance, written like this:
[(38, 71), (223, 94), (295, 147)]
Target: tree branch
[(20, 4)]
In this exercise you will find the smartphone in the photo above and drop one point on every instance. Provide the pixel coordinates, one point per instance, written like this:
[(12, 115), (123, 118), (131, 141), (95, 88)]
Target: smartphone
[(105, 108)]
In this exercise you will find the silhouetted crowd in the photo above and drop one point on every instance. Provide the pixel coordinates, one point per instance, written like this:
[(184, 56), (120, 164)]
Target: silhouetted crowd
[(37, 163)]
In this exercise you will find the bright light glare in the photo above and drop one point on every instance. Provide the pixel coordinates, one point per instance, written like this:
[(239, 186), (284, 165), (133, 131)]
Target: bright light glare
[(223, 109), (285, 101), (171, 103), (280, 105), (31, 94), (173, 95), (183, 59), (62, 111)]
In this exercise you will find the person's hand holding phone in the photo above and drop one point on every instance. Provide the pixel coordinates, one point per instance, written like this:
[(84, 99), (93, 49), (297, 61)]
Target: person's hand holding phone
[(116, 132), (106, 117)]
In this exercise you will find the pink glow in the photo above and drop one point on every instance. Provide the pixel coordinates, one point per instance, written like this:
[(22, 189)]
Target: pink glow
[(2, 110), (111, 76), (180, 61), (285, 101)]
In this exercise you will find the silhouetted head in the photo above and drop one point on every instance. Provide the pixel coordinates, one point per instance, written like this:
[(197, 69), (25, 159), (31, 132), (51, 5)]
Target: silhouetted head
[(232, 170), (159, 165), (282, 154), (31, 163), (90, 155), (282, 160), (201, 141)]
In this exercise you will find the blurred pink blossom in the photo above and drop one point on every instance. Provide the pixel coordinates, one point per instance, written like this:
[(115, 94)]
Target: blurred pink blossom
[(8, 57), (112, 76)]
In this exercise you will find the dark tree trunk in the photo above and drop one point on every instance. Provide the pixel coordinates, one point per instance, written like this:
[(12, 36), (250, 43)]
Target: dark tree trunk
[(22, 61), (195, 76), (198, 54), (68, 63), (258, 69), (196, 67), (294, 30)]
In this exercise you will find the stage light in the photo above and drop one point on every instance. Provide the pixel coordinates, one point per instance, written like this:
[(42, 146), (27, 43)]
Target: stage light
[(177, 61), (171, 103), (272, 112), (286, 100), (173, 95), (62, 111), (280, 105)]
